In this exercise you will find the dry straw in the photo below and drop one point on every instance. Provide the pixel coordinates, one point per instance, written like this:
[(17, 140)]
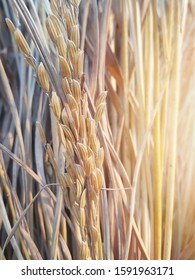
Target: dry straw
[(117, 138)]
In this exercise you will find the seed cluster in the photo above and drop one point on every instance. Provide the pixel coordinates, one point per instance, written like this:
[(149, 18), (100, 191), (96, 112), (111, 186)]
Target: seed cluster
[(77, 129)]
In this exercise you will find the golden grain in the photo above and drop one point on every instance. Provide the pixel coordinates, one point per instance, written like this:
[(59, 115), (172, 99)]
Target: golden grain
[(94, 143), (65, 68), (75, 35), (82, 151), (99, 112), (68, 180), (69, 19), (99, 158), (69, 148), (78, 63), (83, 200), (101, 98), (61, 135), (80, 174), (61, 45), (94, 181), (100, 177), (43, 77), (91, 127), (82, 130), (75, 116), (53, 27), (79, 189), (21, 42), (64, 117), (72, 102), (89, 166), (72, 50), (68, 133), (10, 25), (41, 133), (84, 104), (56, 105), (54, 7), (76, 90), (66, 86)]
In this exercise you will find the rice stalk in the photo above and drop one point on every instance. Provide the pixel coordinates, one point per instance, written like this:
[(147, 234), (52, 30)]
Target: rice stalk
[(100, 109)]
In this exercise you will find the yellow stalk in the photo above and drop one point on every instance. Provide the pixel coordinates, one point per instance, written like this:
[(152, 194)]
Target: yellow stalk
[(124, 67), (172, 145), (167, 73), (157, 146)]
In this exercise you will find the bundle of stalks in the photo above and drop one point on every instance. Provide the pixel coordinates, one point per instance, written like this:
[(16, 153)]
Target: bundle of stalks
[(108, 129)]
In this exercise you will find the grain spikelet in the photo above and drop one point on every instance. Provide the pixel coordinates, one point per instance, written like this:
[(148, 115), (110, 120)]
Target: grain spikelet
[(74, 130), (53, 27), (64, 117), (56, 104), (65, 68), (62, 182), (79, 60), (54, 7), (21, 41), (94, 143), (76, 90), (68, 180), (75, 35), (61, 135), (94, 181), (90, 152), (69, 19), (83, 200), (41, 132), (80, 173), (10, 25), (65, 86), (43, 77), (91, 126), (99, 112), (68, 133), (99, 177), (69, 148), (75, 206), (71, 50), (82, 129), (79, 189), (82, 151), (61, 45), (84, 104), (101, 98), (89, 166), (75, 116), (52, 158), (70, 170), (99, 158), (72, 102), (93, 210)]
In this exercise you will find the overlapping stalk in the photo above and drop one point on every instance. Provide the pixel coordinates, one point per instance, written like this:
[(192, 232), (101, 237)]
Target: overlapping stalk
[(83, 175), (127, 181)]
